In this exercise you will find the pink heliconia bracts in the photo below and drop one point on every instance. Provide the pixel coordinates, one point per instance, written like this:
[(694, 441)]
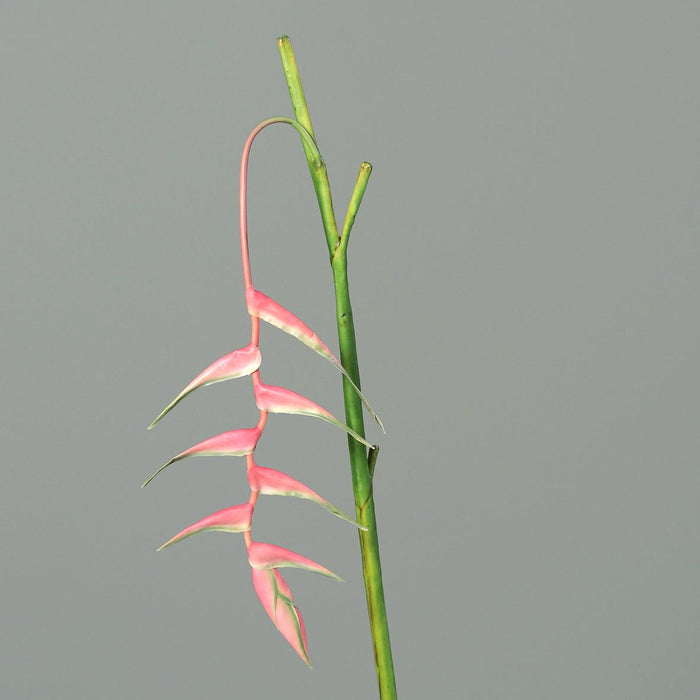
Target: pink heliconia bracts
[(276, 399), (234, 443), (275, 483), (267, 309), (264, 559), (276, 599), (238, 363), (261, 306), (269, 556), (233, 519)]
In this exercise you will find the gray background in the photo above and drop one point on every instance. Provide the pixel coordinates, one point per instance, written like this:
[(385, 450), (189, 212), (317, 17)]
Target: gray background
[(524, 274)]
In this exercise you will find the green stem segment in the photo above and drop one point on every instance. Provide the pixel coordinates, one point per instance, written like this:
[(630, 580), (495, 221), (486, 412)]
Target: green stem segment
[(362, 467), (317, 168), (357, 194)]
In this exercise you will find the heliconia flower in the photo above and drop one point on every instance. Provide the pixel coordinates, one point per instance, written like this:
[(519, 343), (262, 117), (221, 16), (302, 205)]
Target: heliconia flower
[(236, 443), (269, 556), (275, 483), (276, 399), (238, 363), (265, 559), (233, 519), (267, 309), (277, 600)]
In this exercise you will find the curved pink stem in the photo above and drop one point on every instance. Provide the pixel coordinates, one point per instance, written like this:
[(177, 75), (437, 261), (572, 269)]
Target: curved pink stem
[(243, 194), (243, 213)]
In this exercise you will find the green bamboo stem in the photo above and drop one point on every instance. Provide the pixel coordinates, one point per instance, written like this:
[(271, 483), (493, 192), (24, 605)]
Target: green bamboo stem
[(317, 167), (362, 467)]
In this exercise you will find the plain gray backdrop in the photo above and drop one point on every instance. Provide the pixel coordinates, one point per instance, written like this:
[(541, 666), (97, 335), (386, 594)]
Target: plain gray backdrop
[(524, 273)]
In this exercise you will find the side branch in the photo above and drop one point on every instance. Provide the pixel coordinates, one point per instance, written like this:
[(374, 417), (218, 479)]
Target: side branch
[(355, 200)]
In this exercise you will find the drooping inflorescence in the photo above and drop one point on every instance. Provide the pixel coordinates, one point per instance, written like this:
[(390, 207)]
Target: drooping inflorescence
[(265, 559)]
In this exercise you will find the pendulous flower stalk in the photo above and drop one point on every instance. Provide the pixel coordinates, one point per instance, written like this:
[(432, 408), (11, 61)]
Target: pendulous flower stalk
[(265, 559)]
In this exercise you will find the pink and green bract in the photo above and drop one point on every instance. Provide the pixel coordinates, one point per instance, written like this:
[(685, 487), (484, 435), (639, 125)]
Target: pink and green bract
[(276, 599), (233, 519), (265, 559)]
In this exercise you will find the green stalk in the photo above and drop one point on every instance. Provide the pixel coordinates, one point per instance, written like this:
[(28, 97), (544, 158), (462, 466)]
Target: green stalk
[(361, 465)]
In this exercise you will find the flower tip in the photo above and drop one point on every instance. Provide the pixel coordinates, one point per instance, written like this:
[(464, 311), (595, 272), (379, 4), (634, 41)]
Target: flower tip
[(155, 474), (148, 481), (157, 419)]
